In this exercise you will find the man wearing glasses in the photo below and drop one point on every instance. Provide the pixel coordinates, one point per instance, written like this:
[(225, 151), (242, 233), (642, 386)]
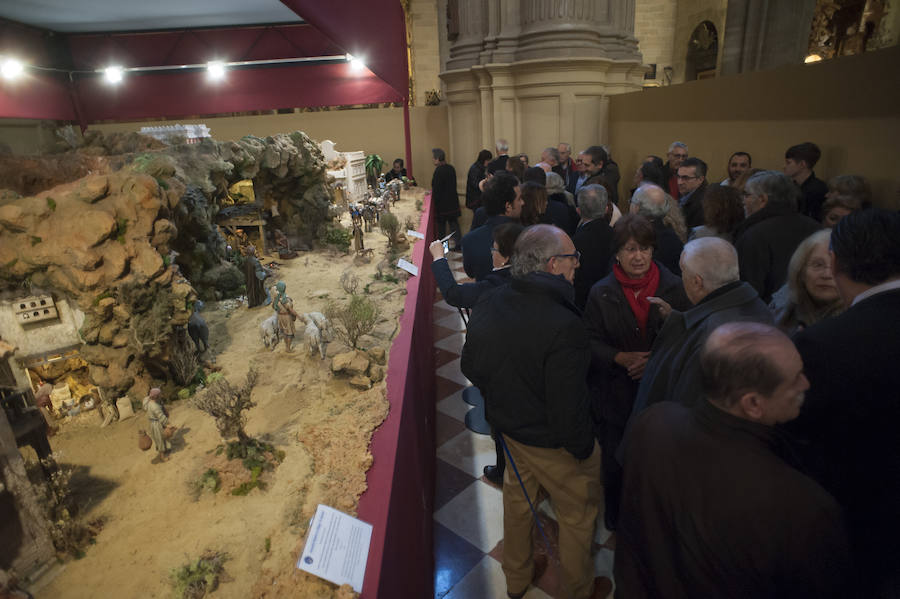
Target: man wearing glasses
[(691, 186), (678, 153), (528, 351)]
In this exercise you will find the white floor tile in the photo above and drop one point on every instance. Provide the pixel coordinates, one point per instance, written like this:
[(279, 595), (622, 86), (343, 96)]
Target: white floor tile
[(450, 370), (452, 343), (486, 581), (454, 406), (452, 321), (469, 452), (476, 514)]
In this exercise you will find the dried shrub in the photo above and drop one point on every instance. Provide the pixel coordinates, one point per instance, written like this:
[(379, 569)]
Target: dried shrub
[(198, 577), (183, 361), (353, 319), (227, 403), (390, 227), (349, 282)]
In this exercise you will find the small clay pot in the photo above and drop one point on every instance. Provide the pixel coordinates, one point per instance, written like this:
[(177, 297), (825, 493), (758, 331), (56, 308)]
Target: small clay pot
[(144, 441)]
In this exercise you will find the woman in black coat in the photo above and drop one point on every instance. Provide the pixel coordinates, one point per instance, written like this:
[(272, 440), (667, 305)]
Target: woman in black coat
[(622, 324), (477, 172)]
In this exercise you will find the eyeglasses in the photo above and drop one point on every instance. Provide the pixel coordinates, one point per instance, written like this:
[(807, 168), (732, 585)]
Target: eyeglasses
[(679, 155), (686, 177), (576, 255), (493, 249)]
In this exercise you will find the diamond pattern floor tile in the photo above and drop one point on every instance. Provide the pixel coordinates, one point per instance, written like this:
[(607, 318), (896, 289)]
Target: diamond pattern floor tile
[(442, 356), (486, 581), (453, 405), (453, 321), (444, 387), (454, 557), (446, 427), (452, 342), (449, 482), (469, 452), (451, 371), (476, 514)]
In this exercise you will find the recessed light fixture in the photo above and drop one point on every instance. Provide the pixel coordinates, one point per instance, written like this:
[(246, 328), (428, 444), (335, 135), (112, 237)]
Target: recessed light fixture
[(215, 69), (11, 68), (113, 74)]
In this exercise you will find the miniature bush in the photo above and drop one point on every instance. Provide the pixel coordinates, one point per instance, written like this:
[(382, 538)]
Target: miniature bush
[(198, 577), (227, 404), (390, 227), (353, 319), (183, 361), (349, 282), (339, 237)]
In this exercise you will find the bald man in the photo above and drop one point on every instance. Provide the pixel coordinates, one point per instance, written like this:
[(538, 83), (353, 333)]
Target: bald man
[(528, 352), (709, 271), (725, 513)]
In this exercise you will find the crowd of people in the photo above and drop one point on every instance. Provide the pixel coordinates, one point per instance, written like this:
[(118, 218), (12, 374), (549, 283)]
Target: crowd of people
[(715, 373)]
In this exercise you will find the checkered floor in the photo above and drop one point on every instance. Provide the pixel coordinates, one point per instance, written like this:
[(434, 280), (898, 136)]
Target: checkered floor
[(468, 516)]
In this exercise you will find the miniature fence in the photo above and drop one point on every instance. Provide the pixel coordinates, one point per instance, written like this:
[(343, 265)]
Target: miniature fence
[(400, 496)]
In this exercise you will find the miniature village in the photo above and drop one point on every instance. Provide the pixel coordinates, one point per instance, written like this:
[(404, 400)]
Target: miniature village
[(194, 339)]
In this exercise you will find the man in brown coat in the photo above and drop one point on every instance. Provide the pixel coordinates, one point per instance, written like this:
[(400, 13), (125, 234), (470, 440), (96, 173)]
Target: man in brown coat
[(711, 504)]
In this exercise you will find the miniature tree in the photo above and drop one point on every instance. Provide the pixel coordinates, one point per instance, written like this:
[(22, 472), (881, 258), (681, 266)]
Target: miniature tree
[(390, 227), (374, 163), (227, 404), (353, 319), (349, 282)]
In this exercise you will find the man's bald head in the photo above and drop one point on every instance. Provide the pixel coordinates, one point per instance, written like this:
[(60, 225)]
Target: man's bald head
[(651, 201), (707, 264), (534, 248)]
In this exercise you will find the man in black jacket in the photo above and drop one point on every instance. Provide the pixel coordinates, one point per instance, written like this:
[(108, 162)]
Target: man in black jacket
[(691, 187), (773, 229), (712, 503), (653, 203), (502, 202), (593, 238), (799, 161), (849, 420), (527, 350)]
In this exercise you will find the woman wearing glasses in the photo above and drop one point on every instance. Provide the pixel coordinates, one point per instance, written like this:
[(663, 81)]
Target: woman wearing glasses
[(622, 323)]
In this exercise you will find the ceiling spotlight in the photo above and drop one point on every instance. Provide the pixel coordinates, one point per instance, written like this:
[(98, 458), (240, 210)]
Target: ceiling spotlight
[(215, 70), (113, 74), (356, 64), (812, 58), (11, 68)]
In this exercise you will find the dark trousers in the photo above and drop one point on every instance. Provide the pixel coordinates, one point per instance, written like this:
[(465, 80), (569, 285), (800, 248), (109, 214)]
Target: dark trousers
[(442, 222)]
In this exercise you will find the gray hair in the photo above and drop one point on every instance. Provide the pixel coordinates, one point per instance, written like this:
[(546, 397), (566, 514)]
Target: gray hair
[(592, 201), (502, 146), (534, 247), (778, 188), (652, 201), (714, 259), (555, 183), (553, 153), (568, 145), (678, 144)]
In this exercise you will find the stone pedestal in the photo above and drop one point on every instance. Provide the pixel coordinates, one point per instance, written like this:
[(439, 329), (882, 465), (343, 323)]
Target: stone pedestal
[(537, 72)]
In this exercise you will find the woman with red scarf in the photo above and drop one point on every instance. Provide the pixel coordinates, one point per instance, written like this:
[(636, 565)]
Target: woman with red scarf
[(622, 324)]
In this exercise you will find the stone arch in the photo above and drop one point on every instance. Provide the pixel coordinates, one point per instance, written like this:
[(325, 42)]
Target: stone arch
[(702, 52)]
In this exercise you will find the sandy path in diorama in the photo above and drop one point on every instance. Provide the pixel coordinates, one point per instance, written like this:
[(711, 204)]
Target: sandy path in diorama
[(154, 520)]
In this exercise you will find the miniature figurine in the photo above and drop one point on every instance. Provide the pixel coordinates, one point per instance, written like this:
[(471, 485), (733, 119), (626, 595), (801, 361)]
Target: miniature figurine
[(254, 275), (156, 414), (284, 308)]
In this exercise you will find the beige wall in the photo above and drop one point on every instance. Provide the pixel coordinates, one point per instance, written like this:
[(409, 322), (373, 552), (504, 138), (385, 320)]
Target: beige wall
[(654, 28), (426, 52), (25, 136), (849, 106), (374, 131)]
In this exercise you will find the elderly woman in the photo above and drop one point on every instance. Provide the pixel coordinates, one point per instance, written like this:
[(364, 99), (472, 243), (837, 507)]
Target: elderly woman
[(156, 414), (810, 293), (622, 323), (284, 308), (722, 212), (466, 295), (846, 194)]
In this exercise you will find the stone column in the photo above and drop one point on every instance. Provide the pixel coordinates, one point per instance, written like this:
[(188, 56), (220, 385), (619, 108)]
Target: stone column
[(764, 34), (473, 28), (584, 28)]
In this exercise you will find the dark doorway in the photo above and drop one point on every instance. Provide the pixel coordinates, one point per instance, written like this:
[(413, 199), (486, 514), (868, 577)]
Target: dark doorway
[(703, 51)]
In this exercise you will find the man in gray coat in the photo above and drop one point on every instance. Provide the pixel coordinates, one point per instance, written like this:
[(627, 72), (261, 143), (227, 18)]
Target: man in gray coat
[(709, 270)]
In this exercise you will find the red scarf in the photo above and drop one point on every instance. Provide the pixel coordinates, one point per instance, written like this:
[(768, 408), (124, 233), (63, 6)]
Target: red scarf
[(645, 287)]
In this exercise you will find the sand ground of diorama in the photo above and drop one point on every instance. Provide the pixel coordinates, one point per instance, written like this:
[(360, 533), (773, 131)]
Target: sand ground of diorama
[(155, 517)]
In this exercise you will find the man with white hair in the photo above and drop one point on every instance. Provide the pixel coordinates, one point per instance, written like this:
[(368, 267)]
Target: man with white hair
[(653, 203), (593, 238), (528, 352), (549, 159), (499, 163), (709, 270), (678, 152), (566, 163)]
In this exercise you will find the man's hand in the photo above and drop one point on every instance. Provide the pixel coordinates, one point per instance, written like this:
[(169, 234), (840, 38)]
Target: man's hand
[(664, 308), (437, 249), (633, 361)]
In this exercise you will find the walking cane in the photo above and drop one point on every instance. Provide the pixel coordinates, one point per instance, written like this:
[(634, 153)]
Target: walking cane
[(527, 498)]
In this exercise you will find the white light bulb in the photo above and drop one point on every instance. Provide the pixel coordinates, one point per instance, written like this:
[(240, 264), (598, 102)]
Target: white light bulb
[(11, 68), (113, 74), (215, 69), (356, 64)]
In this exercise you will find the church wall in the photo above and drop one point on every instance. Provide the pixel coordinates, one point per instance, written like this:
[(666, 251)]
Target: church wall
[(426, 52), (690, 14), (654, 28), (848, 106)]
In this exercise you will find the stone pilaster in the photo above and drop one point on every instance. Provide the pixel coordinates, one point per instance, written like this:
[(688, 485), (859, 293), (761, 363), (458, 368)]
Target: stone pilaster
[(473, 28)]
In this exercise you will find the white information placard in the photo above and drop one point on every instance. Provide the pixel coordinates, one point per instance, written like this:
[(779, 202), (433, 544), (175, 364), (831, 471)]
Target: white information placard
[(416, 234), (337, 547), (408, 267)]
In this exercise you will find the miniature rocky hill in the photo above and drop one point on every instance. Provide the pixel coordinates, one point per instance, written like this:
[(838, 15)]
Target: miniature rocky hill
[(105, 240)]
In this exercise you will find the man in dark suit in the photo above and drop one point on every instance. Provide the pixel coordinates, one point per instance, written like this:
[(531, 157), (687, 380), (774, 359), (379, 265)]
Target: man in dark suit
[(799, 161), (712, 505), (653, 203), (773, 229), (499, 163), (691, 186), (593, 238), (502, 202), (849, 422)]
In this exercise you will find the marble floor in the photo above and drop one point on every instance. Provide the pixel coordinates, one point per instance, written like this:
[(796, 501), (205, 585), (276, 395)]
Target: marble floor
[(468, 516)]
